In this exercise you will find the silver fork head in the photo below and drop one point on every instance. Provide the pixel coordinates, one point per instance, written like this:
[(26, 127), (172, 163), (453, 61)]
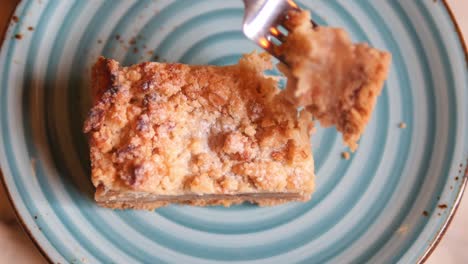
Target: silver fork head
[(264, 22)]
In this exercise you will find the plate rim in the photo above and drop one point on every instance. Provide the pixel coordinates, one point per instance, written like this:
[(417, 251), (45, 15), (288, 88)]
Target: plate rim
[(443, 229), (24, 227), (422, 258)]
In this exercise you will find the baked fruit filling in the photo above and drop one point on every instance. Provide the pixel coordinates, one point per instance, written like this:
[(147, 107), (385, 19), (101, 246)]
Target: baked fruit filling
[(336, 80)]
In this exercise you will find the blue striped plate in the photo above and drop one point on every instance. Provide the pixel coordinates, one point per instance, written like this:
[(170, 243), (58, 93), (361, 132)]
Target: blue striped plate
[(389, 203)]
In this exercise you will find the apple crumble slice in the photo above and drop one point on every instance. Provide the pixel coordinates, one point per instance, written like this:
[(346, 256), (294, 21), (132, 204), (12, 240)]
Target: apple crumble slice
[(164, 133)]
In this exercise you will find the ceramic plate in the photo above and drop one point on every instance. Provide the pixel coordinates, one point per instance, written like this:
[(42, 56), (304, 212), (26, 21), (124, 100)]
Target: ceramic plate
[(389, 203)]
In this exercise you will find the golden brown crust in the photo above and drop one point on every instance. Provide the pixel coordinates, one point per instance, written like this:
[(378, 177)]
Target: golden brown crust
[(147, 201), (226, 203), (174, 129), (336, 80)]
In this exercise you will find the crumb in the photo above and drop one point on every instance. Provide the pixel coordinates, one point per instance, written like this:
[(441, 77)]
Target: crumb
[(35, 217), (155, 57), (451, 187), (18, 36), (442, 206), (345, 155), (135, 50), (403, 230), (117, 37), (30, 28), (438, 214), (132, 41), (425, 213), (15, 19), (150, 52), (456, 178), (99, 41), (402, 125)]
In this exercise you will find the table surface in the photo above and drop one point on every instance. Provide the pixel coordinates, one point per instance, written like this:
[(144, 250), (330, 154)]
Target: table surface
[(16, 245)]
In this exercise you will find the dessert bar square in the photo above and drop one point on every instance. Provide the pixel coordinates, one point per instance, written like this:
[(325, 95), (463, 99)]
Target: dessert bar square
[(163, 133)]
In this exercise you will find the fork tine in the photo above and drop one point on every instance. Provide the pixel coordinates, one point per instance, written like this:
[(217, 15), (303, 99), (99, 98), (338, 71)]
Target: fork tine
[(267, 45), (271, 48), (276, 32)]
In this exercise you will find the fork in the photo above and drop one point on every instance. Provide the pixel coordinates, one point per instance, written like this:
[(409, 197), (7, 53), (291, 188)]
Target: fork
[(264, 23)]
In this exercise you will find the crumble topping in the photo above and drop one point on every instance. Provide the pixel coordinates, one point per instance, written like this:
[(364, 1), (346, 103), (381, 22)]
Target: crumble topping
[(174, 129)]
